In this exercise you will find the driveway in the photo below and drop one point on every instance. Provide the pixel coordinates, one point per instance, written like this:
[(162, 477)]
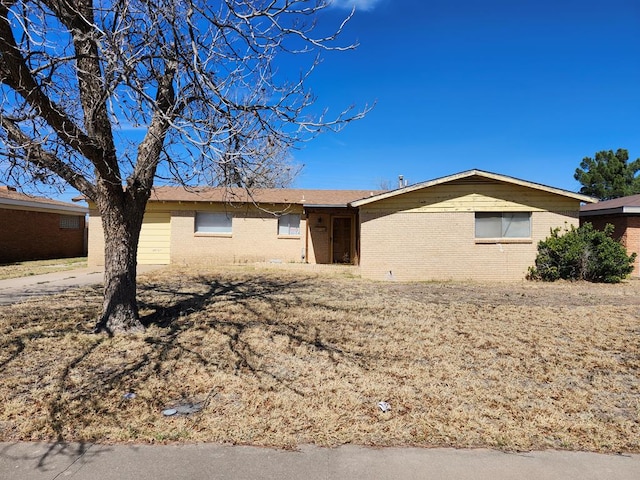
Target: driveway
[(14, 290)]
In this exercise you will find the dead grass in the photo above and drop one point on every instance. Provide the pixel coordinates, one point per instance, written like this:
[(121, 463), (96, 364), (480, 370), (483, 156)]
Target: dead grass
[(38, 267), (284, 359)]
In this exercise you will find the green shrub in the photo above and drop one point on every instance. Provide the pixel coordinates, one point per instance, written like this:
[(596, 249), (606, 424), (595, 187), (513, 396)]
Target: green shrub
[(582, 254)]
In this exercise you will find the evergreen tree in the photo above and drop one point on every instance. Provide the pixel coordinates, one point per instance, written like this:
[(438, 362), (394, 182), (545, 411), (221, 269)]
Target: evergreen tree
[(609, 175)]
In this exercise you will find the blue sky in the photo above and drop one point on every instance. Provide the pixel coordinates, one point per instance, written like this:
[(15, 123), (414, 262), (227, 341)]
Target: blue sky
[(523, 88)]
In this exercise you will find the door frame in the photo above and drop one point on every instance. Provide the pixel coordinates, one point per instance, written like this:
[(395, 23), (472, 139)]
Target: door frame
[(352, 239)]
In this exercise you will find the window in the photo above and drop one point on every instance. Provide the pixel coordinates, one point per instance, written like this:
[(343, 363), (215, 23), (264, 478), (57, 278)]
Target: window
[(503, 225), (289, 224), (69, 222), (213, 222)]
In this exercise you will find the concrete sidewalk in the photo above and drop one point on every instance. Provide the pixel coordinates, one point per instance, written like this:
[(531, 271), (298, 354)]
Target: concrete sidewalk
[(38, 461), (15, 290)]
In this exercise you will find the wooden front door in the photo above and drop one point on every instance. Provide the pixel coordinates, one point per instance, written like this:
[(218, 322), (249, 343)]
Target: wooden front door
[(341, 240)]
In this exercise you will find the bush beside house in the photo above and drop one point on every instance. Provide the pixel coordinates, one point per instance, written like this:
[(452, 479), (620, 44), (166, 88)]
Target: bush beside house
[(582, 254)]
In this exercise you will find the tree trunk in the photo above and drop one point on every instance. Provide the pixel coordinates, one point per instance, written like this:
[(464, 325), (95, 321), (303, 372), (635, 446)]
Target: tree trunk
[(121, 233)]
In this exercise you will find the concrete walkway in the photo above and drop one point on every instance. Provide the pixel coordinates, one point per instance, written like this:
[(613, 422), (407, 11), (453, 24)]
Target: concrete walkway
[(37, 461), (15, 290)]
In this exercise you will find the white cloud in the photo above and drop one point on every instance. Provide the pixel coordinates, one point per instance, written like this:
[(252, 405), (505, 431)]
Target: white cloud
[(358, 4)]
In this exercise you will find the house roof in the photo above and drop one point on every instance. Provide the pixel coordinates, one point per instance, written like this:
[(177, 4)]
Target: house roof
[(265, 195), (623, 205), (468, 174), (11, 198)]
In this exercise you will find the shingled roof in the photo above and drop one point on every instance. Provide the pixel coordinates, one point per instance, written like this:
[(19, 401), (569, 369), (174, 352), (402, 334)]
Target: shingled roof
[(11, 198), (263, 195), (623, 205)]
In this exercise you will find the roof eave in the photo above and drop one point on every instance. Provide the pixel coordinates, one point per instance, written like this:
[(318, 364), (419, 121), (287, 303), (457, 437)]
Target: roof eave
[(327, 205), (40, 206), (470, 173), (611, 211)]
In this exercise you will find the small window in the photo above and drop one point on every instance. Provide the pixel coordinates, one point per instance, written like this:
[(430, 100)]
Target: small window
[(213, 222), (70, 222), (289, 224), (503, 225)]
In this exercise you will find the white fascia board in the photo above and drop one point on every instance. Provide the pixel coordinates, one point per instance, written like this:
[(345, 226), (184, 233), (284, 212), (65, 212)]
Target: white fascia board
[(611, 211), (14, 204)]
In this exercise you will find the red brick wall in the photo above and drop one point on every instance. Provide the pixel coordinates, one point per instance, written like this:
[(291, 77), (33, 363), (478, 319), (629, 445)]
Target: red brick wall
[(632, 241), (626, 230), (27, 235)]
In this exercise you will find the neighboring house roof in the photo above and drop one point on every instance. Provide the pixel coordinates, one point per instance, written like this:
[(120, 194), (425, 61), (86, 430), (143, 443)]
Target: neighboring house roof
[(308, 198), (473, 173), (11, 198), (616, 206)]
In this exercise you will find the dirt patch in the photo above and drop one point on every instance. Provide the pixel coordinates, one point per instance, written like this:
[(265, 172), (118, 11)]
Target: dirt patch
[(282, 359)]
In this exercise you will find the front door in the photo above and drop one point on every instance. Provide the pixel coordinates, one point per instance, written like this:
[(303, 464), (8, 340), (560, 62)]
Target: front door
[(341, 240)]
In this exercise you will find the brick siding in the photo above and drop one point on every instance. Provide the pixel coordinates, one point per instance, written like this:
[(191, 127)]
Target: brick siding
[(30, 235), (632, 242), (626, 230), (409, 246), (254, 238)]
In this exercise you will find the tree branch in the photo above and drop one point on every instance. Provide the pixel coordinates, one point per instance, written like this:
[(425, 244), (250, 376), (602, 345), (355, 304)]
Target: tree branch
[(37, 156), (150, 148), (17, 75)]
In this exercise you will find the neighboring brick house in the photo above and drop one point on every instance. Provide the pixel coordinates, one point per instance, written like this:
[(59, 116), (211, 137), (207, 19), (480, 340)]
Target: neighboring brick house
[(37, 228), (472, 225), (624, 214)]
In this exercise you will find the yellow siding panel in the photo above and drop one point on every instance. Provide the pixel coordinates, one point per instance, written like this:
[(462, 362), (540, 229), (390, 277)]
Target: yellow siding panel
[(155, 239), (474, 197)]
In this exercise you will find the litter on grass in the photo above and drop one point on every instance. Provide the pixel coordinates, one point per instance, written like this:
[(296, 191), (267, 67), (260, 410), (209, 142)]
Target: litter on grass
[(189, 407), (183, 409), (384, 406)]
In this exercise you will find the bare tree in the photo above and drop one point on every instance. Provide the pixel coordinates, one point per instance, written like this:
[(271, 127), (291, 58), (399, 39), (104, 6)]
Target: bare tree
[(198, 78)]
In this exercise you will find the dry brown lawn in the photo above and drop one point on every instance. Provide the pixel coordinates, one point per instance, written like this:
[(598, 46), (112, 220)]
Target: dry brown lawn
[(281, 359), (38, 267)]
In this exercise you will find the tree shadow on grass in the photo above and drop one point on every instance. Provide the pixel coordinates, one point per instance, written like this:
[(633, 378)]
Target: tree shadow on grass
[(277, 295), (176, 312)]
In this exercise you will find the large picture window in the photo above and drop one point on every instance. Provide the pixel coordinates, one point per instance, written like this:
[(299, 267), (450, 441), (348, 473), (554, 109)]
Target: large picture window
[(503, 225), (207, 222), (289, 224)]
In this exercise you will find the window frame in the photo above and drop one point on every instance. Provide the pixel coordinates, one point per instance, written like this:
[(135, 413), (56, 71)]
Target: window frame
[(506, 219), (224, 229), (289, 226), (69, 222)]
